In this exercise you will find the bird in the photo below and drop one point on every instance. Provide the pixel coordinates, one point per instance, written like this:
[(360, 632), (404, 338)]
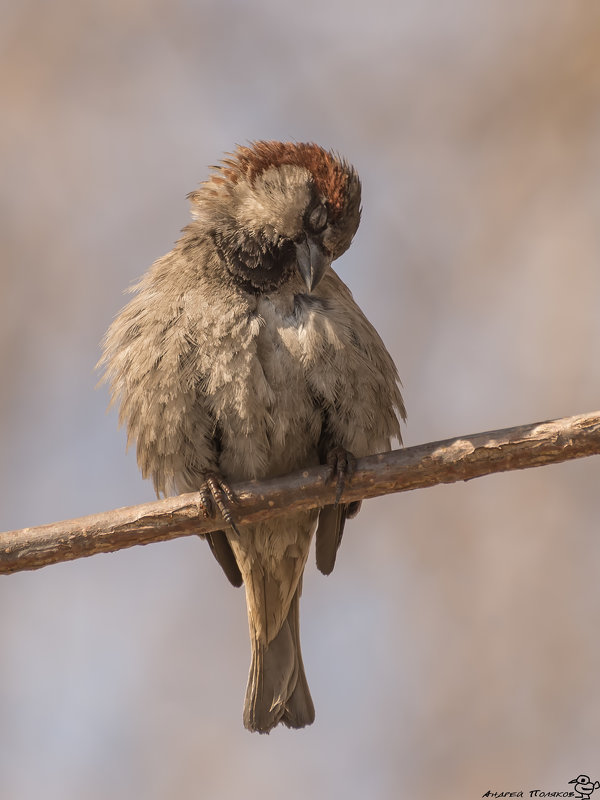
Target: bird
[(242, 355), (584, 786)]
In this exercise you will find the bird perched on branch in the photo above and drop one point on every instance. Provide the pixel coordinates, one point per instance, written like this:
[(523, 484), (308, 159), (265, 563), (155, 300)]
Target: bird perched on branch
[(243, 355)]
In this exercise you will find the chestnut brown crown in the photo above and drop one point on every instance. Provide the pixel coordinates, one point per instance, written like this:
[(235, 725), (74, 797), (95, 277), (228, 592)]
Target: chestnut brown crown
[(276, 209)]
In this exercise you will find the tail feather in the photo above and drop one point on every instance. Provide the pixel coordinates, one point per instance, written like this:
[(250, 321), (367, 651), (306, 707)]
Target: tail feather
[(277, 689), (299, 709), (271, 557)]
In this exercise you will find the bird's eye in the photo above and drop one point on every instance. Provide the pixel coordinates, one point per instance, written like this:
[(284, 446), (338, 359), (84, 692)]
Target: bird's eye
[(317, 219)]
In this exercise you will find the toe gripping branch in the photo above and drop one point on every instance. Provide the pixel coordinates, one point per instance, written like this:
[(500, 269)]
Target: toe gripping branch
[(342, 466), (215, 493)]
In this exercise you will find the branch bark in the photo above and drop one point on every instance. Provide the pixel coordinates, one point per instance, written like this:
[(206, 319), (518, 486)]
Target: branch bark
[(447, 461)]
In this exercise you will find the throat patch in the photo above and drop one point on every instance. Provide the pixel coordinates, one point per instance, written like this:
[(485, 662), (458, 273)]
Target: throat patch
[(257, 264)]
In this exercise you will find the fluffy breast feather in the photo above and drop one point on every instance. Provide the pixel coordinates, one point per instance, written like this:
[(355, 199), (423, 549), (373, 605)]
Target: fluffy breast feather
[(313, 367), (250, 385)]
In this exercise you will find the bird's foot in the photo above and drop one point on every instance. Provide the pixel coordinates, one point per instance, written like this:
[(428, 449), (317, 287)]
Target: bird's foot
[(342, 465), (215, 494)]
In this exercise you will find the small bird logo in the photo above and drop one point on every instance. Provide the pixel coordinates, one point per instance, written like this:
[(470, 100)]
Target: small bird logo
[(584, 786)]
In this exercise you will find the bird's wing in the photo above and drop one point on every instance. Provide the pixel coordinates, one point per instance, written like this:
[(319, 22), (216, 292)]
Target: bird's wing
[(329, 536), (221, 550), (151, 362), (364, 404), (364, 413), (148, 361), (332, 519)]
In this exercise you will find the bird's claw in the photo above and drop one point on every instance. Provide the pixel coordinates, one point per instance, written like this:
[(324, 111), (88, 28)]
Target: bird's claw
[(215, 494), (342, 466)]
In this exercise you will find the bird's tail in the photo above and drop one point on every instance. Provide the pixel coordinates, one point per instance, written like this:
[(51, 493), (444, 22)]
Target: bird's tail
[(277, 689)]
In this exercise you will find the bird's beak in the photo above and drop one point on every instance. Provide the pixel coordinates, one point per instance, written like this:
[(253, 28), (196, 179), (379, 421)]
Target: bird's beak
[(312, 262)]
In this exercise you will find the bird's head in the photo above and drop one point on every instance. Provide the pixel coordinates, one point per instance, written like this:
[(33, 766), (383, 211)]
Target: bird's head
[(276, 210), (581, 779)]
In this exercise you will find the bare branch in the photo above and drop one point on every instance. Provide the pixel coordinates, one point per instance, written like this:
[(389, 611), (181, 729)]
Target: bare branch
[(417, 467)]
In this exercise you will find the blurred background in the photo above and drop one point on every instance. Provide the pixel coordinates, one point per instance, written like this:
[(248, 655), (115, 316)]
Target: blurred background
[(455, 648)]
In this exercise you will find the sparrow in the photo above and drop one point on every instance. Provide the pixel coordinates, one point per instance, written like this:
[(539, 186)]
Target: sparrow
[(242, 355)]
